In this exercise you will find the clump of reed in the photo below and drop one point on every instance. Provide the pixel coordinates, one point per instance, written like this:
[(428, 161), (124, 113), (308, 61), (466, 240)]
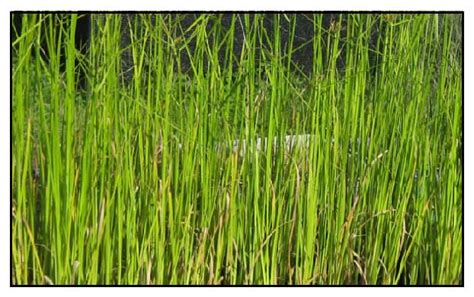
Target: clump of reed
[(123, 184)]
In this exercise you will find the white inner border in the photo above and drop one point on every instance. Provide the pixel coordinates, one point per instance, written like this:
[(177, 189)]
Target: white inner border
[(212, 5)]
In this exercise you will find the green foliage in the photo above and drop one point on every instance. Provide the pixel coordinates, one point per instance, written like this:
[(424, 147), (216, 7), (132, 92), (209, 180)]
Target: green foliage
[(123, 184)]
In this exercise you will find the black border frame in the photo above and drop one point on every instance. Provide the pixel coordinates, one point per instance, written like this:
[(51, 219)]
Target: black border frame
[(461, 12)]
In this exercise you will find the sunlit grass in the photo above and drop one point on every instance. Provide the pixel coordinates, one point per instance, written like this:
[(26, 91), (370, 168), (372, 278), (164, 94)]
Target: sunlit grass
[(170, 177)]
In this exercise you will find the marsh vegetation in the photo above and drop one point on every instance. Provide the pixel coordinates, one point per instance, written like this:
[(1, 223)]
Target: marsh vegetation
[(121, 183)]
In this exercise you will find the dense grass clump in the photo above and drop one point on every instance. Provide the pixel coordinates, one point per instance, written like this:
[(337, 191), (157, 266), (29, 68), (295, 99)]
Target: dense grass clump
[(141, 179)]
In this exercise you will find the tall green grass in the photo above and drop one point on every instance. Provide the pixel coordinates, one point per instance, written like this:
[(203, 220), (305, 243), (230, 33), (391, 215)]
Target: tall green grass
[(122, 184)]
